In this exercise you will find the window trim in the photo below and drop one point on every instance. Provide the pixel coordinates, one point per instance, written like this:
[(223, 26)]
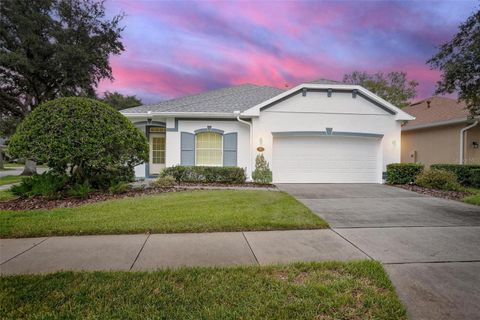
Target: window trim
[(197, 132)]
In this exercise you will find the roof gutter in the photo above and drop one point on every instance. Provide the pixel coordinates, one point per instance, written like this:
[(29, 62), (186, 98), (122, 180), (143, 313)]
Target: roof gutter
[(462, 134), (237, 114), (435, 124)]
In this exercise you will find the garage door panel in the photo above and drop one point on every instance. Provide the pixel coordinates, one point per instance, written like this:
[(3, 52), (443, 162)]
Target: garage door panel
[(326, 160)]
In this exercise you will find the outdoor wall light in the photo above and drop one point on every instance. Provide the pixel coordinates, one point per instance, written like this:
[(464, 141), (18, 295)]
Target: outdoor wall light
[(149, 119), (475, 144), (394, 143)]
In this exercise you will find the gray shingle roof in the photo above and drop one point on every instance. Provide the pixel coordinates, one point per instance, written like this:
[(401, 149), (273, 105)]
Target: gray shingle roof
[(224, 100), (324, 81)]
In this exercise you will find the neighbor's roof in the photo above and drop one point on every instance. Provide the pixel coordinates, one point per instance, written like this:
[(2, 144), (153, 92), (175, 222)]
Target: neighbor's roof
[(441, 111), (224, 100)]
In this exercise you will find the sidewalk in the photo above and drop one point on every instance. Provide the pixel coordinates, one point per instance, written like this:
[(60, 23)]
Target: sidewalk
[(149, 252)]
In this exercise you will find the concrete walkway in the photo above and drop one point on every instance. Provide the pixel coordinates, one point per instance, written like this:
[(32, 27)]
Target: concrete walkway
[(150, 252)]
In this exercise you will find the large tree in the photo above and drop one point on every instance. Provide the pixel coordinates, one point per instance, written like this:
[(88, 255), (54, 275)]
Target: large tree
[(459, 61), (50, 49), (120, 102), (393, 86), (53, 48)]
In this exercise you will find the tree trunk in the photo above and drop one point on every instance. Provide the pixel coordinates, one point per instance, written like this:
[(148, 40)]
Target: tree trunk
[(30, 168)]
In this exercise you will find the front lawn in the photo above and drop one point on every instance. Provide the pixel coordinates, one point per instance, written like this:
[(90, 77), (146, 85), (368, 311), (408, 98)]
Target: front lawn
[(10, 179), (188, 211), (330, 290)]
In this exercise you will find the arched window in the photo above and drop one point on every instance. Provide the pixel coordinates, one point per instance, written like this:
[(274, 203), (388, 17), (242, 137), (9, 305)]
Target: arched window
[(208, 149)]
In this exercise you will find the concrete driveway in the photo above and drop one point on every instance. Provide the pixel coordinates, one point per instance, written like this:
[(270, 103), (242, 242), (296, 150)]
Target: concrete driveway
[(429, 246)]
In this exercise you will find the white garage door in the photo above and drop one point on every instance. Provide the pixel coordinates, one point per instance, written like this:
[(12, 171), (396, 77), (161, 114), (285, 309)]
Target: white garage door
[(326, 159)]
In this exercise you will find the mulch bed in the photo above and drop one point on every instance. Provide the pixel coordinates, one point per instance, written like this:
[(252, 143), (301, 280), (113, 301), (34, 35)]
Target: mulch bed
[(227, 185), (450, 195), (46, 203)]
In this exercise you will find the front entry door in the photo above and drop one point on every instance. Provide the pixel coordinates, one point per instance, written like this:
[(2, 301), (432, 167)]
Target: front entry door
[(157, 152)]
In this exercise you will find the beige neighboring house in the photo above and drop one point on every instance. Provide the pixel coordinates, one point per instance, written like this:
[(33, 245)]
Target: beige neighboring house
[(436, 133)]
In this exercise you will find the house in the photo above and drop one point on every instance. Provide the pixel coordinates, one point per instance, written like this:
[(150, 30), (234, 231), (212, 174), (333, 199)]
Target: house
[(319, 132), (439, 128)]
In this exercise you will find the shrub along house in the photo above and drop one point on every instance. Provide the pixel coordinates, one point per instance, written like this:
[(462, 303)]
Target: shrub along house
[(319, 132)]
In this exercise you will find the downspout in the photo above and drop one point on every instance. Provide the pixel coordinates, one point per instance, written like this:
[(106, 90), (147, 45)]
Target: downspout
[(462, 133), (237, 114)]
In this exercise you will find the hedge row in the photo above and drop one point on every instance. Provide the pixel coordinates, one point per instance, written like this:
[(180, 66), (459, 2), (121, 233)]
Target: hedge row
[(206, 174), (403, 173), (467, 174)]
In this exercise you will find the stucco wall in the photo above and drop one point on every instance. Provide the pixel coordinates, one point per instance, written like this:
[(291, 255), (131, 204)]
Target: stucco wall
[(439, 145), (316, 112)]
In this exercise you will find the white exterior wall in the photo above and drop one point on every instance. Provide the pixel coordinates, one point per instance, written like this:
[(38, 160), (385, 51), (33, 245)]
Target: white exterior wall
[(316, 112), (243, 143)]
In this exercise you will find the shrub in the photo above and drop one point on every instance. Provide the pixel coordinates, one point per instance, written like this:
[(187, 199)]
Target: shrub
[(475, 178), (438, 179), (119, 187), (79, 190), (104, 179), (462, 171), (48, 184), (262, 172), (403, 173), (206, 174), (165, 182), (85, 137)]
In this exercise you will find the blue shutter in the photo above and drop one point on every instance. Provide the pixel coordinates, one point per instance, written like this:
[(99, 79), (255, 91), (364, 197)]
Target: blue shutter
[(187, 147), (230, 149)]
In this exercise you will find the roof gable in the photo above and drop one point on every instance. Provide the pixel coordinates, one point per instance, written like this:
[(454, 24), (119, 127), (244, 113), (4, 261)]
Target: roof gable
[(329, 89)]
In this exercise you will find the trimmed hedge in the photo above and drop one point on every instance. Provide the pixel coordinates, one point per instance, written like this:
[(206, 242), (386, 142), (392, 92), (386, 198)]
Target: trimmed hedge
[(438, 179), (475, 178), (462, 171), (403, 173), (205, 174)]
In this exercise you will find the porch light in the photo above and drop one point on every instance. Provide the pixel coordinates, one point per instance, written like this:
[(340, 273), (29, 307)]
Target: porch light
[(475, 144)]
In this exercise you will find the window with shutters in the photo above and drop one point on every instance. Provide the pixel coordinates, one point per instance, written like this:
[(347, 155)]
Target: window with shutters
[(208, 149)]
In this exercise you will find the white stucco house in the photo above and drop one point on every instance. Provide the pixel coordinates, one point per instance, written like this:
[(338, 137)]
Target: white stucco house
[(318, 132)]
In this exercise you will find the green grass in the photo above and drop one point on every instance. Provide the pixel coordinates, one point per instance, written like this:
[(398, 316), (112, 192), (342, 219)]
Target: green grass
[(474, 198), (10, 179), (6, 195), (329, 290), (189, 211)]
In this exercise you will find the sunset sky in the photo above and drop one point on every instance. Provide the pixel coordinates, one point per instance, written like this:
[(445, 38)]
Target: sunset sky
[(182, 47)]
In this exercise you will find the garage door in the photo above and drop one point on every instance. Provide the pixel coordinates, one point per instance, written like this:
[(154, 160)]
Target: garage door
[(326, 159)]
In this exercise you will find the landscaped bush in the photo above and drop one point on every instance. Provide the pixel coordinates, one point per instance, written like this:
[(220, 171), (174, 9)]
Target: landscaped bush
[(119, 187), (438, 179), (403, 173), (475, 178), (206, 174), (165, 182), (83, 139), (262, 172), (48, 184), (462, 171), (79, 191)]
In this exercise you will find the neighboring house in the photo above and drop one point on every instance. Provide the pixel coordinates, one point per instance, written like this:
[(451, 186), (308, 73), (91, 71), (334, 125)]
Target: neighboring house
[(321, 132), (434, 136)]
